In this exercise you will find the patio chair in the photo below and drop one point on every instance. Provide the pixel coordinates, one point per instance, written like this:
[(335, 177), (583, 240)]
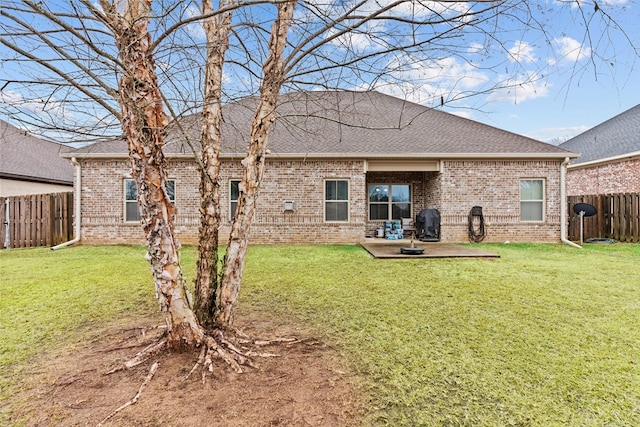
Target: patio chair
[(408, 227)]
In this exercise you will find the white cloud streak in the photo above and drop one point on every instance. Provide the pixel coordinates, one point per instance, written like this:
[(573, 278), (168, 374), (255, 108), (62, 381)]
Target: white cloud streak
[(522, 52), (519, 88), (572, 50)]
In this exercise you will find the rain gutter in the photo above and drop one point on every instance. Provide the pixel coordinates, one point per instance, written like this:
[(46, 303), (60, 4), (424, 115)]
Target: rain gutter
[(563, 204), (76, 203)]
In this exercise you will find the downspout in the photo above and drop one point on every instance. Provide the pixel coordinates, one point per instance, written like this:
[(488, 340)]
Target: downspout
[(76, 202), (563, 204)]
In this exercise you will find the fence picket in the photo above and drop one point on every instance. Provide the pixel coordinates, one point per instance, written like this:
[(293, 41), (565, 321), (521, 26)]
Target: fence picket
[(3, 222), (617, 217), (36, 220)]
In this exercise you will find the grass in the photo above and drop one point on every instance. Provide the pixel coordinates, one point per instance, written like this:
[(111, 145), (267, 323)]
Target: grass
[(546, 335)]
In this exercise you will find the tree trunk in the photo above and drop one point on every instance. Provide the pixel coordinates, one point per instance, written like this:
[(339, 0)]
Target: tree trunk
[(143, 124), (254, 163), (217, 32)]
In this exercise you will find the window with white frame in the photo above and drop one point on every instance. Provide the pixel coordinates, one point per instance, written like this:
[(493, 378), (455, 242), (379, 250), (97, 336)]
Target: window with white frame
[(336, 200), (531, 200), (389, 201), (131, 210), (234, 194)]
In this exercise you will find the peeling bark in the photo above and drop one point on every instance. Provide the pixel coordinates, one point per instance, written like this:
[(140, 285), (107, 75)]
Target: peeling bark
[(254, 163), (217, 30), (143, 124)]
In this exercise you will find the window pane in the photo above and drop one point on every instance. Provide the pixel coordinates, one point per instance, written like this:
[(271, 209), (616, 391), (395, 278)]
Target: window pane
[(342, 190), (536, 190), (330, 190), (131, 191), (336, 190), (132, 212), (171, 189), (336, 211), (378, 193), (378, 211), (235, 192), (531, 211), (401, 210), (531, 189), (234, 206), (400, 193)]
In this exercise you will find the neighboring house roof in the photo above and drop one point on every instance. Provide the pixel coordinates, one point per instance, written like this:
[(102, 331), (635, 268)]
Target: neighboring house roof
[(615, 138), (27, 158), (344, 124)]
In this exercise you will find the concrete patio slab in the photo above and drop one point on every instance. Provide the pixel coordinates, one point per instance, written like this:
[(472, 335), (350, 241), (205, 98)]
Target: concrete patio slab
[(392, 249)]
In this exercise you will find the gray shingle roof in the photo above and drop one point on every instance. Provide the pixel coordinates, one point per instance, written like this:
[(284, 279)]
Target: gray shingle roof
[(356, 124), (617, 136), (25, 157)]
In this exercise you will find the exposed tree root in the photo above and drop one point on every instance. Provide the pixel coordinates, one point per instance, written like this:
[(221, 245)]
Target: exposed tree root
[(142, 356), (135, 398), (235, 348)]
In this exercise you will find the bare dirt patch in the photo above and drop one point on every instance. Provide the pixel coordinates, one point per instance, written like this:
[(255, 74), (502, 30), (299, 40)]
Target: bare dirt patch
[(305, 386)]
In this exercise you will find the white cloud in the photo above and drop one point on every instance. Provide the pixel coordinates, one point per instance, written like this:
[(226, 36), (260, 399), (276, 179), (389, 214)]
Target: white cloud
[(426, 8), (56, 114), (35, 107), (475, 48), (425, 81), (518, 89), (558, 135), (522, 52), (571, 49), (589, 3), (195, 29), (357, 42)]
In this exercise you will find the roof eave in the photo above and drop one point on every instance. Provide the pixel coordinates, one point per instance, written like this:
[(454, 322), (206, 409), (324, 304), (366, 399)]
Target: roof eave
[(426, 156), (40, 180), (612, 159)]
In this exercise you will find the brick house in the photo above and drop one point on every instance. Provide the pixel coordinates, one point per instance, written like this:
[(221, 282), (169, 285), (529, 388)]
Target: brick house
[(340, 164), (609, 159)]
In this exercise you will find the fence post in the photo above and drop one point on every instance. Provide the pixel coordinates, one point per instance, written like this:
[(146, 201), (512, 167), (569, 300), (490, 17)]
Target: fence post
[(4, 221), (635, 217), (69, 217)]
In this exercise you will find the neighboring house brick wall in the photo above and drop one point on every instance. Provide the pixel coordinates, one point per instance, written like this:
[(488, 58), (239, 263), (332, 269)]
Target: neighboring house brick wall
[(617, 177)]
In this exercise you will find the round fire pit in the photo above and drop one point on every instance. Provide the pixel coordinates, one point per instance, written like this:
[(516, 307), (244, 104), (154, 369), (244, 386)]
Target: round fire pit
[(411, 250)]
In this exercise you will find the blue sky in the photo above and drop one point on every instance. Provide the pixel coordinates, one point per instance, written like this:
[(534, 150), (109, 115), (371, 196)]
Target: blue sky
[(583, 79), (580, 94), (569, 106), (565, 82)]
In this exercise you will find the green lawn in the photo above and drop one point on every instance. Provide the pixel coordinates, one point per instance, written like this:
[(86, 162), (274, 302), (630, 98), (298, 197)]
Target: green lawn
[(546, 335)]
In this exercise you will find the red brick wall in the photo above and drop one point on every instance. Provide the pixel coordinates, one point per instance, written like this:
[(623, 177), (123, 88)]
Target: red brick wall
[(494, 185), (299, 181), (618, 177)]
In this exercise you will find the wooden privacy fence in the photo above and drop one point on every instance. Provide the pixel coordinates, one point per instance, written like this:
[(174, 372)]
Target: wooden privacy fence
[(36, 220), (617, 217)]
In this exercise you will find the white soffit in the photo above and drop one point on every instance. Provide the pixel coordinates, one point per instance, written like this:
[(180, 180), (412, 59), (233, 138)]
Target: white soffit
[(403, 165)]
